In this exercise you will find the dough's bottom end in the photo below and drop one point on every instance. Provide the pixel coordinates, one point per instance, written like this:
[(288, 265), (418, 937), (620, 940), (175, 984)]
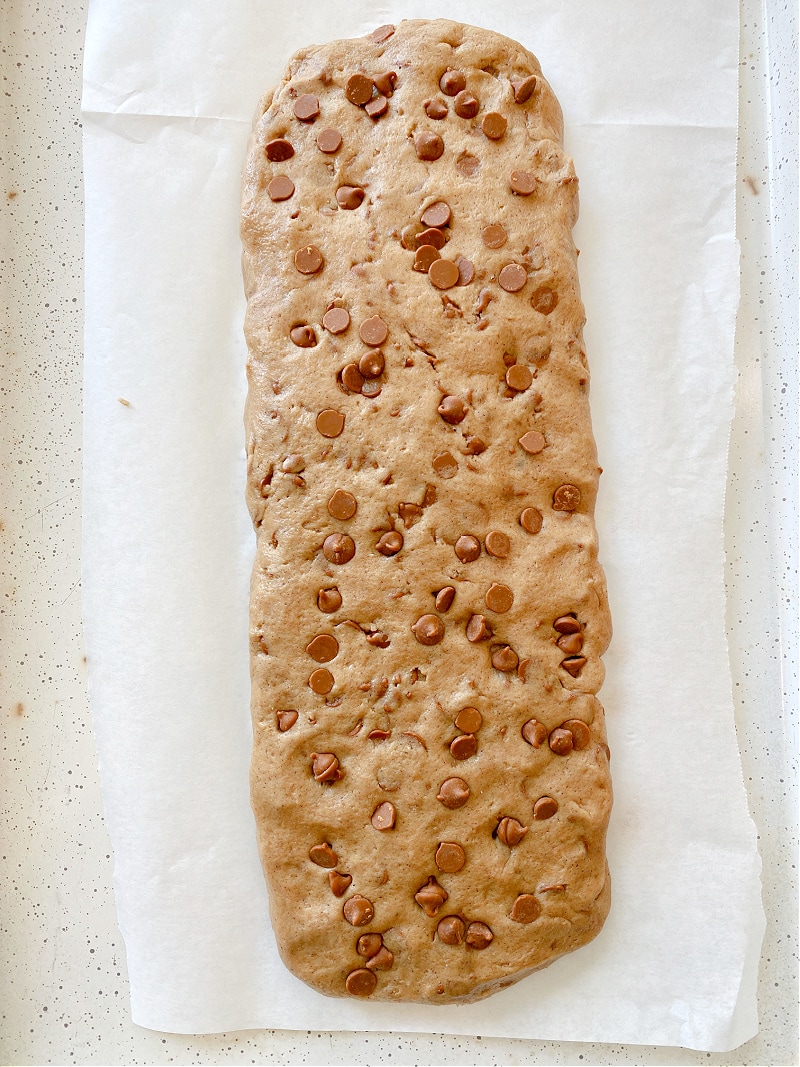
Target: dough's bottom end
[(479, 978)]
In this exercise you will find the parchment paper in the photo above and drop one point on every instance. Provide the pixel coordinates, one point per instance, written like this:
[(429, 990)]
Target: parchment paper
[(650, 100)]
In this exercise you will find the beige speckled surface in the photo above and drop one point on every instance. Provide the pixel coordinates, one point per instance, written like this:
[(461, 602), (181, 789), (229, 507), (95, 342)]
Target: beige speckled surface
[(457, 344)]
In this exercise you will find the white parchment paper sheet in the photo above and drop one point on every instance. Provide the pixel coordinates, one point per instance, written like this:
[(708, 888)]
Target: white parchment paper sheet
[(649, 96)]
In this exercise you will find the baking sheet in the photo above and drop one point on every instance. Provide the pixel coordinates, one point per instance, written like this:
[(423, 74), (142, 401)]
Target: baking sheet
[(650, 105)]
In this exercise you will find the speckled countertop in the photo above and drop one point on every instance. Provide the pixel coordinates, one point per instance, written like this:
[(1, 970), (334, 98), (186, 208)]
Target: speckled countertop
[(63, 985)]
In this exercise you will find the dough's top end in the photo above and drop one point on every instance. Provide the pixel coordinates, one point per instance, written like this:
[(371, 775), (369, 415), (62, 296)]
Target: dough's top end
[(432, 46)]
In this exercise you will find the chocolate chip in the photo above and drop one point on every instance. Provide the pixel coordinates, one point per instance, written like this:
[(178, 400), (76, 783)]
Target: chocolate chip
[(469, 720), (445, 598), (358, 911), (466, 105), (523, 88), (510, 831), (377, 106), (581, 734), (408, 236), (498, 544), (339, 882), (425, 257), (286, 719), (525, 909), (293, 464), (534, 732), (532, 442), (329, 141), (570, 643), (349, 197), (323, 855), (474, 445), (325, 767), (479, 935), (450, 857), (445, 465), (467, 548), (464, 746), (308, 260), (453, 793), (518, 377), (373, 331), (452, 82), (468, 165), (278, 150), (384, 816), (531, 520), (352, 378), (484, 299), (451, 930), (330, 423), (390, 543), (369, 945), (567, 624), (303, 336), (522, 182), (321, 681), (280, 188), (545, 808), (494, 125), (466, 271), (358, 89), (443, 273), (504, 658), (323, 648), (383, 33), (512, 277), (560, 741), (499, 598), (382, 960), (378, 639), (342, 505), (544, 300), (437, 214), (436, 109), (409, 513), (428, 146), (306, 107), (429, 496), (430, 897), (573, 665), (336, 320), (431, 236), (478, 629), (329, 600), (493, 235), (385, 83), (452, 409), (428, 629), (361, 982), (371, 389), (566, 498), (338, 548), (371, 365)]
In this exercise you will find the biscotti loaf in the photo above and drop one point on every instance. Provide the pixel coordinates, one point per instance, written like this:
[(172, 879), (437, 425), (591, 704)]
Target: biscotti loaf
[(430, 775)]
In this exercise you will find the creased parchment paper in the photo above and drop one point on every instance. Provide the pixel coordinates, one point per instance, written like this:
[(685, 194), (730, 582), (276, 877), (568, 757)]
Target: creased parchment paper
[(650, 101)]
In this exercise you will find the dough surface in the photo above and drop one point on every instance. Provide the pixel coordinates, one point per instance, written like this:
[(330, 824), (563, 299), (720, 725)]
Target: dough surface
[(430, 775)]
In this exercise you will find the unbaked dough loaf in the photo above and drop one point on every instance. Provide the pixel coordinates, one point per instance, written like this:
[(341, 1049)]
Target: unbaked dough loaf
[(430, 775)]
